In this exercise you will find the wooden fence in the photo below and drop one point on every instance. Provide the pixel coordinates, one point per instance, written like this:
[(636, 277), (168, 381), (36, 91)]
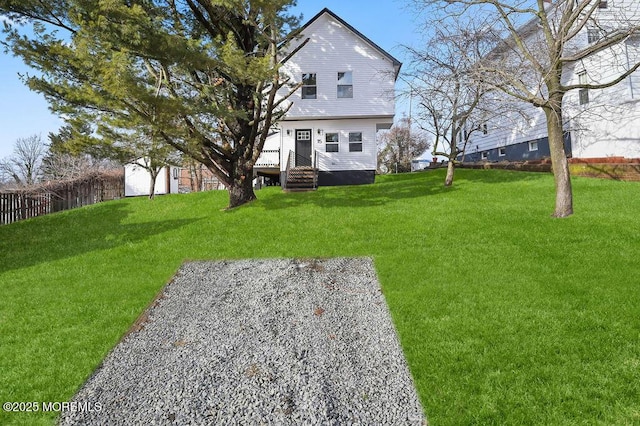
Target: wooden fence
[(21, 204)]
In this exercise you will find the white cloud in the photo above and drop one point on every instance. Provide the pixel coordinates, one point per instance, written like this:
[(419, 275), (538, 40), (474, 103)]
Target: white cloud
[(4, 19)]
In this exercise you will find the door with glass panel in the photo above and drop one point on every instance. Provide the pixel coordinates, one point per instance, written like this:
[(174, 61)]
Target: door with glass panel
[(303, 147)]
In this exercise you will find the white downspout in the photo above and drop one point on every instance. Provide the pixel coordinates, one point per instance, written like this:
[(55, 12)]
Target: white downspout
[(626, 50)]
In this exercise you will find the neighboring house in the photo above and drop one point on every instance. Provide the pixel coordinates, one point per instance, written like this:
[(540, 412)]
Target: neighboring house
[(137, 180), (598, 123), (347, 96)]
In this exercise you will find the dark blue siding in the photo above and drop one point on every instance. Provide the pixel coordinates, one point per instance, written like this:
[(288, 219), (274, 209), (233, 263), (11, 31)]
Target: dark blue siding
[(519, 152)]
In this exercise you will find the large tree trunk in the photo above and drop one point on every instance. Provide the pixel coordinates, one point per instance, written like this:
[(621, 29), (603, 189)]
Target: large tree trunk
[(564, 195), (241, 187), (448, 181)]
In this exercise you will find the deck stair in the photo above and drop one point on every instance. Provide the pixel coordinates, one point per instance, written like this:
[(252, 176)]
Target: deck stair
[(302, 178)]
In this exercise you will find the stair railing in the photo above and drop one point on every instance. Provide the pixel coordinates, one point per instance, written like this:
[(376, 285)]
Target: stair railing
[(291, 162), (315, 169)]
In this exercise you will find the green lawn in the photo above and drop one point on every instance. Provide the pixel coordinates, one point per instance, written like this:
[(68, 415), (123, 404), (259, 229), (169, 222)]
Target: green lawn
[(506, 315)]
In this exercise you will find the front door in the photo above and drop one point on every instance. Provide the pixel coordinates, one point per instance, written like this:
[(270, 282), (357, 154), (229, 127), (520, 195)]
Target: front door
[(303, 147)]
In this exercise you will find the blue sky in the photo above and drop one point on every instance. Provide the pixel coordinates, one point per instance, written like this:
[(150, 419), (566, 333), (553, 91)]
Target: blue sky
[(23, 113)]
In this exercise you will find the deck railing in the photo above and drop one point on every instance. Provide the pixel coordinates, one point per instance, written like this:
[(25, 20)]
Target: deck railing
[(268, 158)]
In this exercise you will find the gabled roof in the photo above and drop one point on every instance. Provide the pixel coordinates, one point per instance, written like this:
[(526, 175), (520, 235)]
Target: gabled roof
[(396, 63)]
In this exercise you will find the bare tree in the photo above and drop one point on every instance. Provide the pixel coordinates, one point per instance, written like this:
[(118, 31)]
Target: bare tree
[(68, 156), (399, 146), (542, 44), (449, 99), (61, 166), (24, 166)]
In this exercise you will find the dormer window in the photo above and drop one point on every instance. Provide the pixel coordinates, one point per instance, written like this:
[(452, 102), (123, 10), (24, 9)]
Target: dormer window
[(345, 85), (309, 88)]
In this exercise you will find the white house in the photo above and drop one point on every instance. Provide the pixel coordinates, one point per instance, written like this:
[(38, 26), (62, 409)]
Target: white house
[(329, 135), (598, 123), (137, 180), (347, 96)]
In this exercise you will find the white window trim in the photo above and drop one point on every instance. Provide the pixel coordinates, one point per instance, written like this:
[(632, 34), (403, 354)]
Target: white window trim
[(361, 141), (332, 143), (309, 85), (338, 85), (582, 77)]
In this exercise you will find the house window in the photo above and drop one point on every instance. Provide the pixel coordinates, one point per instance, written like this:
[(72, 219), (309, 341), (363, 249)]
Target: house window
[(484, 155), (309, 88), (603, 4), (345, 85), (533, 146), (502, 151), (355, 142), (582, 77), (593, 35), (583, 93), (584, 96), (331, 140), (485, 129)]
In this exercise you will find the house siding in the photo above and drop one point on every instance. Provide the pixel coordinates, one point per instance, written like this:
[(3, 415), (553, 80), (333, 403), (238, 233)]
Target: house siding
[(333, 48), (342, 160), (607, 126), (510, 129)]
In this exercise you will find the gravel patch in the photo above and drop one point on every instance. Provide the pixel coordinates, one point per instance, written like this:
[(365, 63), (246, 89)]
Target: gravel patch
[(284, 342)]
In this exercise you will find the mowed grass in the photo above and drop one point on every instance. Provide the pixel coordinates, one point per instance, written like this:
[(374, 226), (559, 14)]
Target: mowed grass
[(505, 315)]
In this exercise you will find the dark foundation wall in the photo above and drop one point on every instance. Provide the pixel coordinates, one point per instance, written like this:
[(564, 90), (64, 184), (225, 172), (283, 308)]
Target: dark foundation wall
[(343, 177), (346, 177)]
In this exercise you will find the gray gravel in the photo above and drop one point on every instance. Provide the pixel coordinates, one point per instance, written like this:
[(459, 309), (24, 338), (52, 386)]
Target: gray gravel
[(282, 342)]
